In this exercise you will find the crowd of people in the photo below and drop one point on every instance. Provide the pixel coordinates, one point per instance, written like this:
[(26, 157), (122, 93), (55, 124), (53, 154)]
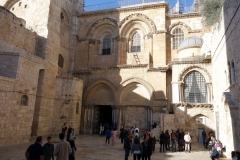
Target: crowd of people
[(131, 140), (64, 150)]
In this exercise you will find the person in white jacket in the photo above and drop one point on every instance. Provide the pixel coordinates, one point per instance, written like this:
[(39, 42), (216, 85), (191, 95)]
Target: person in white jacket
[(187, 139)]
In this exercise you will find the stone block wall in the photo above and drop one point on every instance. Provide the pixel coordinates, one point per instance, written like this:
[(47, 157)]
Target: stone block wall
[(16, 118), (14, 37), (68, 104), (225, 53)]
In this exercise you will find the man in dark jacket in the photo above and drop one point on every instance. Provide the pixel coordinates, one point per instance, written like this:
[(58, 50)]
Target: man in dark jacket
[(167, 140), (35, 151), (162, 141), (108, 135), (127, 146), (48, 149), (204, 137)]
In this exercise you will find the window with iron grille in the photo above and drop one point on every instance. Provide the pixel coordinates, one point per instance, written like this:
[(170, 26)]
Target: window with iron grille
[(24, 100), (136, 43), (178, 37), (106, 47), (195, 88), (60, 61)]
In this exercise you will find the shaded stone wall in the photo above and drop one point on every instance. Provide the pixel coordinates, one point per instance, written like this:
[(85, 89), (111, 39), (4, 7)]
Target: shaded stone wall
[(65, 106), (225, 52), (17, 118)]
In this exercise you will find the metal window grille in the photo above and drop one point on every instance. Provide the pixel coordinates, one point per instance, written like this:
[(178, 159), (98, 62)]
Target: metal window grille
[(136, 43), (178, 37), (195, 89), (106, 47), (24, 100)]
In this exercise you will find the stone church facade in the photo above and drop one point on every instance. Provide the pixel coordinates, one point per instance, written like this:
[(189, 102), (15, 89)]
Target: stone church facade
[(130, 66)]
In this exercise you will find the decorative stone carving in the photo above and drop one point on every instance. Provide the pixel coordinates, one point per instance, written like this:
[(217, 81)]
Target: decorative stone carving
[(105, 20), (179, 24), (138, 16)]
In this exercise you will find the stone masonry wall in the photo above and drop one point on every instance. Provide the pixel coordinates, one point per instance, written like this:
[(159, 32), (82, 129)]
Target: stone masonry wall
[(225, 52), (69, 94), (14, 37), (16, 118)]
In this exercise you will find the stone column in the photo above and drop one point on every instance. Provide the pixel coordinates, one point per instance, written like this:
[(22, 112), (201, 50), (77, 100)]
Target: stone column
[(92, 118), (147, 116), (181, 95), (113, 116), (209, 89)]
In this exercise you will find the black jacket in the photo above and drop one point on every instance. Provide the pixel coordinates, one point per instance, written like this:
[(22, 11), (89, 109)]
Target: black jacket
[(127, 143)]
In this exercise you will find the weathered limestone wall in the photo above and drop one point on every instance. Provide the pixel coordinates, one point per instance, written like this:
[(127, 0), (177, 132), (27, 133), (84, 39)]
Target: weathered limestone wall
[(16, 119), (67, 107), (14, 37), (225, 52)]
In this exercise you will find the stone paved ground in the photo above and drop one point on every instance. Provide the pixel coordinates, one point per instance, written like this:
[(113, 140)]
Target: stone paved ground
[(91, 147)]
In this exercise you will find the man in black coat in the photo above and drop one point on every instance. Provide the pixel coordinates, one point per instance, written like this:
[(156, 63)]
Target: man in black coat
[(162, 141)]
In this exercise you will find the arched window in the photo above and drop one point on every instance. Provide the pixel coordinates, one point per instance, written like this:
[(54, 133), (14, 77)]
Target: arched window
[(136, 42), (195, 88), (24, 100), (178, 37), (77, 108), (60, 61), (106, 47)]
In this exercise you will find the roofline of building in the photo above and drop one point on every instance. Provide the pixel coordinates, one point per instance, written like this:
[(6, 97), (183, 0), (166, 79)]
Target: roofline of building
[(126, 9)]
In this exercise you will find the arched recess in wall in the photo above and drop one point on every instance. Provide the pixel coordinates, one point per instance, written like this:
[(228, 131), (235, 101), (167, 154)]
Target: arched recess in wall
[(137, 17), (99, 25), (137, 89), (129, 26), (99, 92), (9, 3), (199, 121), (207, 81)]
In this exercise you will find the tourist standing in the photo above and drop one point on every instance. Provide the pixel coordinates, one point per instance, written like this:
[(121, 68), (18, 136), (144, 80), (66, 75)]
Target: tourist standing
[(64, 128), (187, 139), (127, 146), (146, 135), (101, 129), (74, 149), (153, 139), (173, 140), (204, 136), (48, 149), (35, 151), (108, 135), (167, 140), (69, 132), (62, 149), (136, 149), (114, 136), (121, 135), (162, 141)]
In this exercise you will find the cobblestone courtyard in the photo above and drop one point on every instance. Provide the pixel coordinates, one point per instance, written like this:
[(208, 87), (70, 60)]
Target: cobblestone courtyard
[(91, 147)]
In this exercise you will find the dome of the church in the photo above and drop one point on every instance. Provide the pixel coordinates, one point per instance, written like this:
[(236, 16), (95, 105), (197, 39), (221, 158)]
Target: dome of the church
[(191, 42)]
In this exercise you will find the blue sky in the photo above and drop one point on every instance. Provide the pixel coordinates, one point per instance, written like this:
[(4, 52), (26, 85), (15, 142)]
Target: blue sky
[(172, 2)]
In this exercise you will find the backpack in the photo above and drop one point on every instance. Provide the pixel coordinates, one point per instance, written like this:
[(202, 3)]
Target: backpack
[(173, 136)]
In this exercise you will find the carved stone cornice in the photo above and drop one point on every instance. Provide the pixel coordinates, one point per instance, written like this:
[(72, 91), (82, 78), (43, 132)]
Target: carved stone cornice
[(186, 15), (82, 72), (159, 69), (125, 9), (192, 105), (188, 62), (132, 66)]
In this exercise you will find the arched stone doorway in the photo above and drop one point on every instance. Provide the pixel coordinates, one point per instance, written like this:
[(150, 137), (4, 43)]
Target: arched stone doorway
[(99, 101), (135, 98)]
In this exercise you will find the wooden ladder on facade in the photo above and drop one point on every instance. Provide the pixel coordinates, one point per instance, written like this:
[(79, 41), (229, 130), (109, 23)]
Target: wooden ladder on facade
[(136, 58)]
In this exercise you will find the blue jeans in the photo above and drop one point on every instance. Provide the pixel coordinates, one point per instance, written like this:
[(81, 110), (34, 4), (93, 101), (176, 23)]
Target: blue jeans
[(174, 145), (127, 151)]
